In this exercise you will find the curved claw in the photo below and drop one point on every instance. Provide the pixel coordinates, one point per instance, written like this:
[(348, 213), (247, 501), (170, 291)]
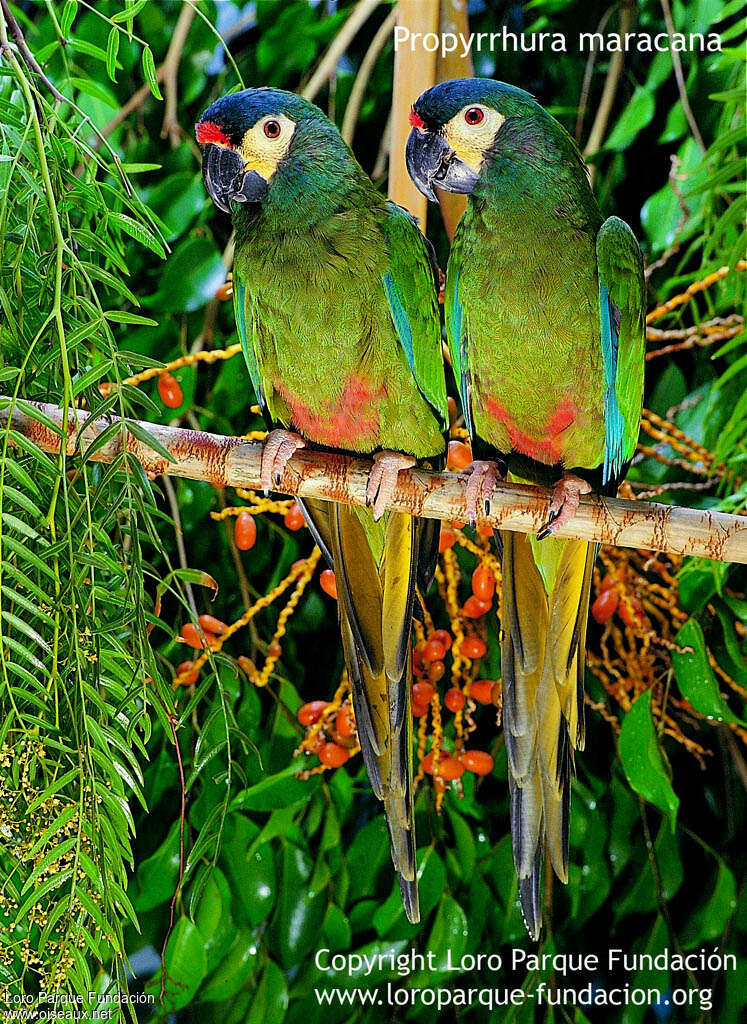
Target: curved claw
[(279, 447), (480, 486), (382, 479), (564, 503)]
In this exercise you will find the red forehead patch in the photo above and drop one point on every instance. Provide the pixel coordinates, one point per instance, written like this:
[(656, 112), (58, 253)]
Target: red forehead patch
[(416, 120), (208, 131)]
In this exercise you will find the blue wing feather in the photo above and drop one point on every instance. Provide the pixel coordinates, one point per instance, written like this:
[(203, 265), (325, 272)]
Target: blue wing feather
[(399, 316), (457, 336), (614, 424)]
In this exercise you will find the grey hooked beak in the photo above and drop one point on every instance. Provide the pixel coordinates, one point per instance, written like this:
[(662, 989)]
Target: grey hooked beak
[(431, 161), (225, 178)]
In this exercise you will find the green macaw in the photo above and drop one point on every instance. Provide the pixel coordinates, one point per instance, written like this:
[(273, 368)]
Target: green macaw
[(336, 306), (545, 321)]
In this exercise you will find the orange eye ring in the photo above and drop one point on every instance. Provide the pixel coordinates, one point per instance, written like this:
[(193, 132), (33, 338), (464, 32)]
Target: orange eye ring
[(473, 116), (272, 129)]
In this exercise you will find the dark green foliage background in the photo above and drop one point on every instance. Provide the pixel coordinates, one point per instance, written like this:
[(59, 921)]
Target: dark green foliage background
[(277, 868)]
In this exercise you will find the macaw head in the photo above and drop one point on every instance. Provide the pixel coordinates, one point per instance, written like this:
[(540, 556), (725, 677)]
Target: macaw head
[(458, 127), (261, 144)]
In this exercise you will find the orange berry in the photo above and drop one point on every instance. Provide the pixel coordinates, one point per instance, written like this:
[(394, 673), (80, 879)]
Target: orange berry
[(477, 761), (193, 638), (419, 709), (474, 607), (436, 671), (274, 650), (605, 605), (434, 650), (422, 693), (482, 691), (485, 530), (170, 391), (333, 755), (245, 531), (458, 524), (443, 636), (452, 407), (211, 625), (454, 699), (328, 583), (483, 583), (318, 742), (345, 723), (447, 539), (631, 611), (610, 580), (246, 665), (189, 675), (449, 768), (310, 713), (460, 455), (294, 519), (473, 647)]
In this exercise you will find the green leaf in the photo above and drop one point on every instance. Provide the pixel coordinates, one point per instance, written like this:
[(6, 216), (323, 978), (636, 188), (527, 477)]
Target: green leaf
[(465, 843), (149, 70), (277, 791), (121, 316), (138, 231), (695, 677), (67, 17), (709, 920), (271, 1000), (234, 970), (193, 274), (184, 966), (129, 12), (112, 49), (447, 940), (299, 913), (157, 875), (642, 759), (636, 116)]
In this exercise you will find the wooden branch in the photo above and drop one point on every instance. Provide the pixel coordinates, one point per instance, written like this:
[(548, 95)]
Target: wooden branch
[(414, 72), (234, 462)]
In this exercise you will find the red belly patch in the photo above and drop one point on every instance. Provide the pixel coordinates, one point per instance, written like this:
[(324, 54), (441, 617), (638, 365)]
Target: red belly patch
[(548, 447), (344, 423)]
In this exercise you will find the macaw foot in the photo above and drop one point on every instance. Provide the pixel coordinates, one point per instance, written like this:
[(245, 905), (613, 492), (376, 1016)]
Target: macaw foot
[(480, 486), (279, 447), (383, 479), (564, 503)]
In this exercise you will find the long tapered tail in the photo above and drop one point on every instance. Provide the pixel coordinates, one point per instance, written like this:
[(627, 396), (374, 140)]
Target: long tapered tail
[(546, 586), (376, 572)]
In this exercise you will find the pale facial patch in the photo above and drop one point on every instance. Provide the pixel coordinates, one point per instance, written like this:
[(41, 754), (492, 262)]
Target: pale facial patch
[(471, 141), (264, 146)]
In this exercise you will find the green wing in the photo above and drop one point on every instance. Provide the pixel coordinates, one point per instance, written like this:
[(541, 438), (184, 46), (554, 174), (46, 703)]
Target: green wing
[(246, 327), (622, 305), (409, 285), (456, 328)]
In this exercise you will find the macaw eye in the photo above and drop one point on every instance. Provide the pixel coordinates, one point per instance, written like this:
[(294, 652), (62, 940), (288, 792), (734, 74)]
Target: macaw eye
[(474, 115), (272, 129)]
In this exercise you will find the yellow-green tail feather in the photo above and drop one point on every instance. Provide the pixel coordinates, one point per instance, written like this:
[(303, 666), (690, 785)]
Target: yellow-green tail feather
[(546, 586)]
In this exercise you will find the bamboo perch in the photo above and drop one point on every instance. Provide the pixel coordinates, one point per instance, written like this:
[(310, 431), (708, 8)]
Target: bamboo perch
[(235, 462)]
